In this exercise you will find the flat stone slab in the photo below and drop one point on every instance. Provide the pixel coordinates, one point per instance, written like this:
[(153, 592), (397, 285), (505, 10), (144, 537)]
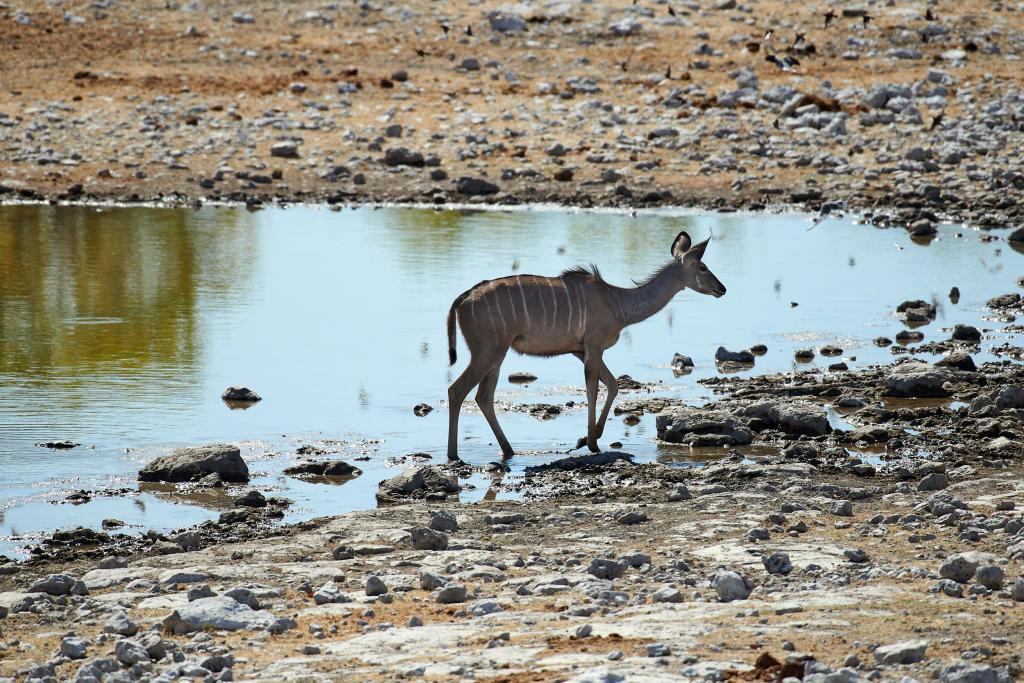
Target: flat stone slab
[(223, 613)]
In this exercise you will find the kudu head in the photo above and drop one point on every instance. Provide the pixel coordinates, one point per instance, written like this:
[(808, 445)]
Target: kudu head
[(695, 275)]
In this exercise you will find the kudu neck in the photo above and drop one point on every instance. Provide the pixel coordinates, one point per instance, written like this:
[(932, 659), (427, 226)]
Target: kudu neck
[(641, 302)]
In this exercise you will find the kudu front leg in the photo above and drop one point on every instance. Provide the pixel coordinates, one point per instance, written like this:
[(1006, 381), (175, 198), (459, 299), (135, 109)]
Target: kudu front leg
[(592, 365)]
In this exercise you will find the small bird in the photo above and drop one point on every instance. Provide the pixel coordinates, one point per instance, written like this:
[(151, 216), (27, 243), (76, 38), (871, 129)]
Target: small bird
[(798, 39), (929, 15), (936, 121), (776, 124), (668, 71), (768, 33), (446, 28), (829, 16), (469, 30), (866, 19), (671, 11), (624, 66)]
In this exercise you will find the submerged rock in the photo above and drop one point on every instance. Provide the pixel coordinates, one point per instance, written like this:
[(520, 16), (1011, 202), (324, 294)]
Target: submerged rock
[(916, 380), (240, 394), (192, 464), (327, 468)]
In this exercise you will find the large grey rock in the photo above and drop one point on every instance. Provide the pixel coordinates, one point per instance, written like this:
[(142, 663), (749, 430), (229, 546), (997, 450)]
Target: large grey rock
[(130, 652), (916, 380), (777, 563), (121, 624), (58, 584), (72, 648), (906, 652), (731, 586), (192, 464), (223, 613), (990, 576), (999, 399), (452, 593), (473, 187), (604, 568), (936, 481), (964, 672), (959, 567), (96, 670), (697, 427), (795, 417), (428, 539), (1017, 592)]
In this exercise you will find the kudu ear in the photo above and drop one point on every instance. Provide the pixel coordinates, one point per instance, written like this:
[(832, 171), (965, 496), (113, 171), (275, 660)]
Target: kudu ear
[(680, 244), (697, 250)]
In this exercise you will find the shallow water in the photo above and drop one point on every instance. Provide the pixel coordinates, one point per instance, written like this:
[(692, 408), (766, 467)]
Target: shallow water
[(120, 328)]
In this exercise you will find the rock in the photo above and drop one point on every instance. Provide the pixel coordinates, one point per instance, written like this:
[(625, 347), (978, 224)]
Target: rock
[(285, 150), (680, 492), (909, 336), (856, 556), (966, 333), (830, 350), (223, 613), (243, 394), (667, 594), (804, 354), (96, 670), (907, 652), (192, 464), (658, 650), (604, 568), (625, 27), (444, 521), (842, 508), (950, 588), (430, 581), (777, 563), (199, 592), (130, 652), (959, 567), (591, 461), (964, 672), (58, 584), (474, 187), (1017, 592), (416, 483), (243, 596), (916, 311), (936, 481), (629, 516), (375, 586), (792, 417), (1004, 301), (723, 355), (681, 362), (251, 499), (916, 380), (959, 360), (701, 427), (504, 22), (520, 377), (422, 409), (428, 539), (452, 593), (989, 576), (731, 586), (72, 648), (121, 624), (326, 468), (401, 156)]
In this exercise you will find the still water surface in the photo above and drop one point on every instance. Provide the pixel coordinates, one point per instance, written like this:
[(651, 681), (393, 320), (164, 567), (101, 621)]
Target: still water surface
[(120, 328)]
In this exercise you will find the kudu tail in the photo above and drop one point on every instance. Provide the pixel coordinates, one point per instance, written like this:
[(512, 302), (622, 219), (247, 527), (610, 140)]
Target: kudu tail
[(452, 313), (451, 333)]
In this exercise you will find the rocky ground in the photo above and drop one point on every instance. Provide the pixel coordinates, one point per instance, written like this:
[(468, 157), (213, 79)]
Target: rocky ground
[(880, 538), (909, 110)]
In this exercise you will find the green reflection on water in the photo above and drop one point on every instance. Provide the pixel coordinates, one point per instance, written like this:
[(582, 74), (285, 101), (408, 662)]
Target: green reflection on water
[(85, 290)]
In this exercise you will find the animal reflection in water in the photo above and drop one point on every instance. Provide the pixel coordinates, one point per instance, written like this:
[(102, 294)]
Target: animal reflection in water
[(576, 312)]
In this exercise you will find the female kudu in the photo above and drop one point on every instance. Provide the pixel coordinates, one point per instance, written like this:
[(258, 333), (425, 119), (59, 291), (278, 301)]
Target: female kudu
[(577, 312)]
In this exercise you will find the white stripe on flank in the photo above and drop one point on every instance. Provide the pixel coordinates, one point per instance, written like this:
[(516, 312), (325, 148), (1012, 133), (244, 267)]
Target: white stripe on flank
[(583, 309), (554, 312), (512, 301), (472, 311), (543, 310), (497, 307), (489, 316), (568, 297), (526, 311)]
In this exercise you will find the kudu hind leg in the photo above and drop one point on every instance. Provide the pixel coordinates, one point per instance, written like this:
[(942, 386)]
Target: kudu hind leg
[(457, 393), (485, 399), (612, 387)]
